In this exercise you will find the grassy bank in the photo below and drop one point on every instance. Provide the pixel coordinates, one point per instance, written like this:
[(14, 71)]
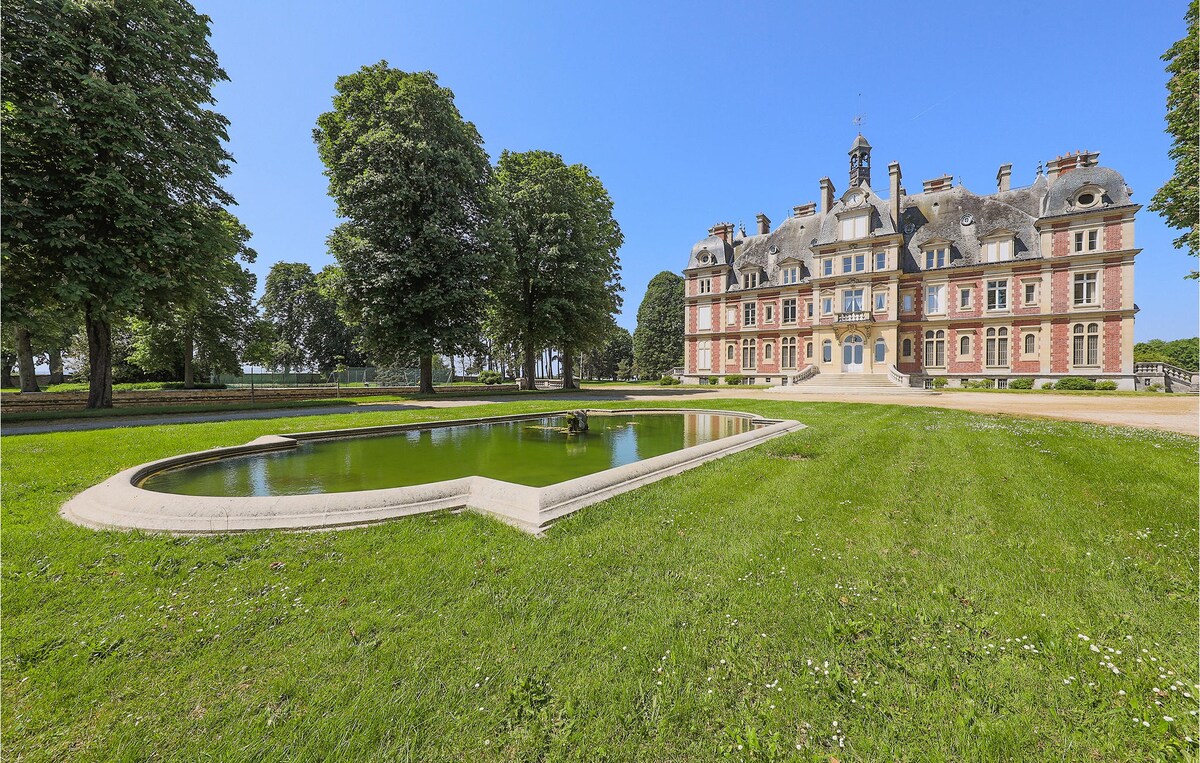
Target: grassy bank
[(890, 583)]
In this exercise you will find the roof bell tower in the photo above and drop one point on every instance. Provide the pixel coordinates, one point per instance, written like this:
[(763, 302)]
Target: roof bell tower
[(860, 162)]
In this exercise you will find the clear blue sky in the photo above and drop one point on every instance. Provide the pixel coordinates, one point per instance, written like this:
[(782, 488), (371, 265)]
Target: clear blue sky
[(699, 112)]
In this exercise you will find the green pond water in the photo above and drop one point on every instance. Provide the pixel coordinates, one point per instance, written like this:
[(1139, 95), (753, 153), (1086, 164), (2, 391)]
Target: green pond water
[(533, 452)]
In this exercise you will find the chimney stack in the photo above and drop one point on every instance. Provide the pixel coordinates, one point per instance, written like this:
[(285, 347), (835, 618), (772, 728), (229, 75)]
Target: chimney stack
[(805, 210), (826, 194), (1003, 178), (764, 223), (897, 191), (938, 184), (1061, 165), (723, 231)]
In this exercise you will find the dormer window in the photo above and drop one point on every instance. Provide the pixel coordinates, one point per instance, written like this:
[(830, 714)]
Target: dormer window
[(750, 280), (937, 257), (827, 266), (998, 250), (853, 226), (789, 275)]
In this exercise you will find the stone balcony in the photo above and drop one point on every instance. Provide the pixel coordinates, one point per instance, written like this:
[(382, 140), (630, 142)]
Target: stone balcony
[(860, 316)]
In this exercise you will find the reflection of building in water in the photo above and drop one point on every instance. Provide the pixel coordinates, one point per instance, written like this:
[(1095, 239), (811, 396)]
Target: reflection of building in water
[(703, 427)]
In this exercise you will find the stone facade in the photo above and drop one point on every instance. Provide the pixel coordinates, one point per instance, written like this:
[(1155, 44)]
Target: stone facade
[(1035, 281)]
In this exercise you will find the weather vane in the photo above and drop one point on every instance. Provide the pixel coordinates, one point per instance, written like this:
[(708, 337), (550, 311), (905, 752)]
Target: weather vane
[(860, 116)]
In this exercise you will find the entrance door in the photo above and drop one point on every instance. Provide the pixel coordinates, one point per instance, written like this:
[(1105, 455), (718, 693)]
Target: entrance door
[(852, 354)]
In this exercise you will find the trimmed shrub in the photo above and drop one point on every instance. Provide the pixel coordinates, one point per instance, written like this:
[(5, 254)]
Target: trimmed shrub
[(490, 377), (667, 381), (979, 384), (940, 381), (1074, 383), (1156, 387), (1021, 382), (1108, 385), (734, 379), (1047, 385)]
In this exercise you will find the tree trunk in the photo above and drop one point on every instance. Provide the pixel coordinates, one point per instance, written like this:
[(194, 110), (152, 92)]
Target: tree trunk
[(530, 367), (426, 384), (56, 366), (25, 364), (7, 361), (568, 370), (189, 365), (99, 334)]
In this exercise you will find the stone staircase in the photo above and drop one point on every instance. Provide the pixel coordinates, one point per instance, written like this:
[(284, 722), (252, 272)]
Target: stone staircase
[(835, 383)]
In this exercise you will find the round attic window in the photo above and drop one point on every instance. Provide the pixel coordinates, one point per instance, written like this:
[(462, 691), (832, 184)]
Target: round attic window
[(704, 258), (773, 249), (1086, 199)]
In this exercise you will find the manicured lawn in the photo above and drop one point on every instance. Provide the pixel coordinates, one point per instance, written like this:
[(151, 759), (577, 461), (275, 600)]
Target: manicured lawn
[(890, 583)]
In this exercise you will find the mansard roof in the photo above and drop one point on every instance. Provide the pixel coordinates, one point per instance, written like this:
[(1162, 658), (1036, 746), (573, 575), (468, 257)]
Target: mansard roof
[(1060, 199), (961, 218), (718, 252)]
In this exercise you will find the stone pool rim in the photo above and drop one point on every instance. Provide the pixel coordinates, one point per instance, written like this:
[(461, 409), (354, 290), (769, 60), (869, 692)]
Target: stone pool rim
[(119, 503)]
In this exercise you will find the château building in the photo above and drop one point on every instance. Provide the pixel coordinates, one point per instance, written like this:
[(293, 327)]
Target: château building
[(1035, 281)]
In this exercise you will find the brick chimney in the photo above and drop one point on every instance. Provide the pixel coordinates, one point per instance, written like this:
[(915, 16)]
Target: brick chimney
[(826, 194), (938, 184), (723, 231), (764, 223), (897, 191), (805, 210), (1003, 178), (1061, 165)]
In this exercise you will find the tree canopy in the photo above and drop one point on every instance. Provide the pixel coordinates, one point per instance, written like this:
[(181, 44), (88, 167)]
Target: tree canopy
[(1179, 199), (111, 160), (610, 358), (557, 278), (409, 175), (658, 339), (1184, 353)]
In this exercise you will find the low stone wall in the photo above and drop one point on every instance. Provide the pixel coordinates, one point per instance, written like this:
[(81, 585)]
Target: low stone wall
[(65, 401)]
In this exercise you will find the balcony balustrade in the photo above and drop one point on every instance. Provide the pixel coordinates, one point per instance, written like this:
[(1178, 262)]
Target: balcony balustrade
[(859, 316)]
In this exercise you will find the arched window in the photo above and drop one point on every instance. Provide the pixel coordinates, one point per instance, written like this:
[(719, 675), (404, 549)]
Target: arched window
[(808, 350), (1085, 344), (787, 352), (827, 351), (768, 351), (964, 345), (730, 349), (749, 353), (997, 347), (906, 348), (935, 348), (880, 350), (1030, 344)]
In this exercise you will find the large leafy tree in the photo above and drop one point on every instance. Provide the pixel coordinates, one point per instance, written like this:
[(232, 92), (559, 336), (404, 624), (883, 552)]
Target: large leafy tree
[(658, 339), (557, 282), (111, 160), (1184, 353), (206, 323), (410, 177), (1179, 199), (308, 317), (606, 361)]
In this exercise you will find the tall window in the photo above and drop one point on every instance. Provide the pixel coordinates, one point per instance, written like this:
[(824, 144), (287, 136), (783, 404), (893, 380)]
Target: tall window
[(933, 299), (789, 311), (749, 353), (827, 351), (1030, 344), (1085, 288), (731, 317), (852, 300), (881, 301), (964, 345), (827, 266), (808, 349), (791, 275), (1085, 344), (935, 348), (860, 263), (997, 251), (787, 352), (769, 313), (730, 350), (853, 227), (906, 348), (768, 351), (748, 314), (907, 302), (880, 350), (936, 258), (964, 299), (704, 318), (847, 263), (703, 355), (997, 295), (881, 260), (997, 347), (705, 286), (808, 308), (826, 305), (1087, 240)]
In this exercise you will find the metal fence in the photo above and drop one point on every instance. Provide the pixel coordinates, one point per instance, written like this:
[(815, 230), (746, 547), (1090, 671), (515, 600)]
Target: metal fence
[(350, 377)]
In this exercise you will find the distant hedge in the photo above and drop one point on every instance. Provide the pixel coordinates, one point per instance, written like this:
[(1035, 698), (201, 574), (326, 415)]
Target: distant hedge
[(131, 386)]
